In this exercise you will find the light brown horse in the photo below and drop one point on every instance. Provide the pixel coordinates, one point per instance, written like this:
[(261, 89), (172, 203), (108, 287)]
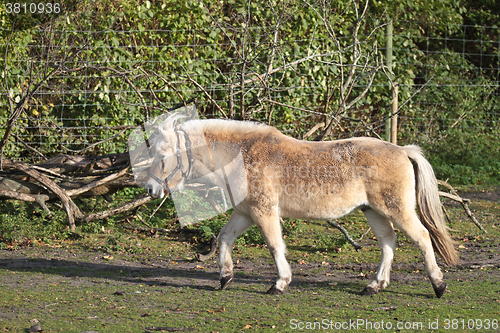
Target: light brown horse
[(308, 180)]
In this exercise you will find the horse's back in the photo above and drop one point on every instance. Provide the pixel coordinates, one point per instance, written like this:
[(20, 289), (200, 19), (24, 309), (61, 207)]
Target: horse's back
[(324, 180)]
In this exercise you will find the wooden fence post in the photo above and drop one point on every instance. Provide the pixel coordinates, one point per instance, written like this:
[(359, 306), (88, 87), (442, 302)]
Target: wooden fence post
[(394, 119), (388, 62)]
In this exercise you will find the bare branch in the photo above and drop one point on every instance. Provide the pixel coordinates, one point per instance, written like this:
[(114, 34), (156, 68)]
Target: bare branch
[(115, 211), (205, 92), (312, 130), (346, 234), (363, 93), (97, 183), (20, 106), (453, 195), (6, 86), (28, 146), (296, 108), (96, 143)]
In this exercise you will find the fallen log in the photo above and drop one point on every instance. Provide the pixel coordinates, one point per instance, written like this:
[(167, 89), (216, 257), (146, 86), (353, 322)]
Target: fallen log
[(40, 199), (85, 165), (21, 187), (68, 204), (64, 178)]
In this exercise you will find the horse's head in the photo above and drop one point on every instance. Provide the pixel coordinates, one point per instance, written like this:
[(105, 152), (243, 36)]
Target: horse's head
[(172, 162)]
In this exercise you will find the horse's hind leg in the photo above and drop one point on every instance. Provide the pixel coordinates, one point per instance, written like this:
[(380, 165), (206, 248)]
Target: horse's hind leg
[(413, 228), (270, 228), (236, 225), (383, 230)]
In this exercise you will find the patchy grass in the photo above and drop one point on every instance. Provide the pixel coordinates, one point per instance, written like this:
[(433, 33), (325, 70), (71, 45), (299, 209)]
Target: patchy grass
[(113, 280), (118, 301)]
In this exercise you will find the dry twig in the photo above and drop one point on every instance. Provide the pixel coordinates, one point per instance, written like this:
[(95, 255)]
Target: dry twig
[(346, 234), (453, 195), (115, 211)]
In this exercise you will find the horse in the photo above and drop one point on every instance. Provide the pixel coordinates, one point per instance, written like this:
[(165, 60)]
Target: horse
[(298, 179)]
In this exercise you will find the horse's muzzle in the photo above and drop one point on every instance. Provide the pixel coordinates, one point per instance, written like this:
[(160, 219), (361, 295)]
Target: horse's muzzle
[(154, 189)]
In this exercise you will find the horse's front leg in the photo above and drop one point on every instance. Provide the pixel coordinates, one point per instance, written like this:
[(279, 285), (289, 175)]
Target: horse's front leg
[(236, 225)]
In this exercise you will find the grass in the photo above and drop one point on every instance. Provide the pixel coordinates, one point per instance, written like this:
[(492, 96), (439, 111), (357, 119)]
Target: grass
[(61, 305), (110, 279)]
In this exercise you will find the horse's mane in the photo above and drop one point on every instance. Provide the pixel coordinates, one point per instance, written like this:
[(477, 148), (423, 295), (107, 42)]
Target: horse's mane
[(216, 127), (226, 125)]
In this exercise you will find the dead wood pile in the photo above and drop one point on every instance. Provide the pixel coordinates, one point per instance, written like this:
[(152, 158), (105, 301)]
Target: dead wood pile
[(65, 178)]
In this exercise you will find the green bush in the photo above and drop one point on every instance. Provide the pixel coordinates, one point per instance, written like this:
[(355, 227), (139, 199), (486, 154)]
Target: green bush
[(466, 157), (24, 224)]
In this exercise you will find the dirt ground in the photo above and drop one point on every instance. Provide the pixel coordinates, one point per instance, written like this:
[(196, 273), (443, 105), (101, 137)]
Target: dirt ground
[(81, 268)]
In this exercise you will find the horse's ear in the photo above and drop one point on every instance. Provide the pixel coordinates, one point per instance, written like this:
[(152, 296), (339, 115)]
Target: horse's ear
[(170, 123)]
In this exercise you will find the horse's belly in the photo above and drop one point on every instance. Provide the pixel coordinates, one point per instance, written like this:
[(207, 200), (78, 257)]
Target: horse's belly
[(321, 206)]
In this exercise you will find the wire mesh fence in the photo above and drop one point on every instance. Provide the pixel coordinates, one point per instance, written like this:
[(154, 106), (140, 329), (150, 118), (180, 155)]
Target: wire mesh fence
[(94, 86), (462, 72)]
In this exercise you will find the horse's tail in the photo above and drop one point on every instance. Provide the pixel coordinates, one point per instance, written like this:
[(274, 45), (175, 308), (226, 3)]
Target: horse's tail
[(429, 206)]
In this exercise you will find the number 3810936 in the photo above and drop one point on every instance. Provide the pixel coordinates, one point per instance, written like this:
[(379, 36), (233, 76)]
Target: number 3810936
[(32, 8)]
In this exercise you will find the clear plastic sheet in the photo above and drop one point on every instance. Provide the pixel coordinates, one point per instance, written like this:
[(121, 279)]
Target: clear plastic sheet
[(210, 189)]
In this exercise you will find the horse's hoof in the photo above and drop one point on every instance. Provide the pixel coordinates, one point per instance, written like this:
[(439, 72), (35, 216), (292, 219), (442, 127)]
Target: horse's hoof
[(369, 291), (440, 289), (274, 291), (225, 281)]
